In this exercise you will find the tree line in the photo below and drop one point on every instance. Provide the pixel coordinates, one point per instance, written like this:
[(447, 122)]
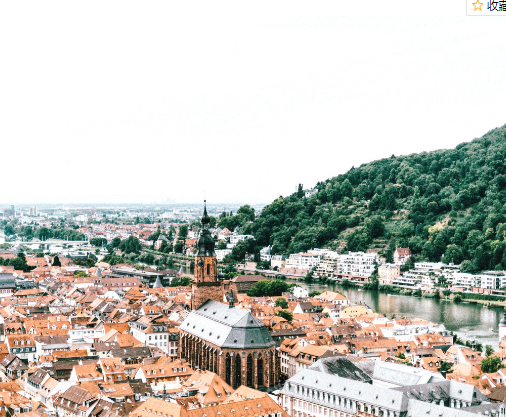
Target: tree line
[(445, 205)]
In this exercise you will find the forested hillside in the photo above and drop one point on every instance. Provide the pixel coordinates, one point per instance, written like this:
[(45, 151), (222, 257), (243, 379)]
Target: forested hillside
[(446, 202)]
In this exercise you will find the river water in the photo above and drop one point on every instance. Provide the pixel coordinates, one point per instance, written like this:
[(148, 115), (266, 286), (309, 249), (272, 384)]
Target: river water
[(469, 321)]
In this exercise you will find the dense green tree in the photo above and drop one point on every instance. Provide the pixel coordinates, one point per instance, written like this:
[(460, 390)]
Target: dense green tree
[(9, 230), (247, 211), (130, 245), (489, 350), (285, 314), (468, 267), (490, 364), (300, 191), (179, 246), (445, 366), (28, 232), (181, 282), (453, 254), (112, 259), (98, 241), (56, 261), (281, 302), (183, 231), (267, 288)]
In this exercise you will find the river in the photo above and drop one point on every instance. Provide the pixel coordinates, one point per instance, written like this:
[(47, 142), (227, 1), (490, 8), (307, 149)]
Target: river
[(469, 321)]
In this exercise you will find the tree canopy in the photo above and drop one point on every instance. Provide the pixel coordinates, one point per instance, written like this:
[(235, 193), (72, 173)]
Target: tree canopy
[(445, 204), (266, 288)]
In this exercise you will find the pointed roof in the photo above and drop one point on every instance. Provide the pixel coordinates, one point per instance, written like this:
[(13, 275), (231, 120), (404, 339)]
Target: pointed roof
[(158, 283), (205, 218), (205, 243)]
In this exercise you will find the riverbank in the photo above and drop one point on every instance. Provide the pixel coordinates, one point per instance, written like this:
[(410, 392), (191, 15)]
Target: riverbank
[(438, 294), (469, 320)]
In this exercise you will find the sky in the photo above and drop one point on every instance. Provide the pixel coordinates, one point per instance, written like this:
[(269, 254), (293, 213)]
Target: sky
[(138, 102)]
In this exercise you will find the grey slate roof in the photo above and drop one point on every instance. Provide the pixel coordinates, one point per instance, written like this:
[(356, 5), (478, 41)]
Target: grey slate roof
[(420, 408), (343, 387), (133, 352), (443, 390), (400, 375), (341, 366), (7, 281), (216, 323)]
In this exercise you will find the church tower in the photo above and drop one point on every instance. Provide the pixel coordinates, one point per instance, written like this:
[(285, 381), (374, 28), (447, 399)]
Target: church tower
[(206, 285)]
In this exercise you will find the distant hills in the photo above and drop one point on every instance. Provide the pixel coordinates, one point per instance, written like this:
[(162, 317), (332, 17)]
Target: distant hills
[(446, 204)]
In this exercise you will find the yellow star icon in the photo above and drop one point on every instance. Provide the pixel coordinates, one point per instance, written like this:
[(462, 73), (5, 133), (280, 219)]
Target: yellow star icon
[(477, 5)]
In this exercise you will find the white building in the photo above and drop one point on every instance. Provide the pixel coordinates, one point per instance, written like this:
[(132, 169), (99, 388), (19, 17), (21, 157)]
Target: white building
[(428, 266), (221, 253), (357, 263), (492, 280), (300, 292), (408, 280), (309, 193), (401, 255), (235, 239), (265, 254), (156, 335), (461, 279), (305, 261)]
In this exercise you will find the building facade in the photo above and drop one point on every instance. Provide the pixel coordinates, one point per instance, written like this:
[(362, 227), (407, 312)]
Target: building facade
[(230, 342), (222, 339), (206, 285)]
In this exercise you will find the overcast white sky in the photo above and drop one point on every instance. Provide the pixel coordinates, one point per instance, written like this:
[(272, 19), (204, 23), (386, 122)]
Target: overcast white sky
[(118, 101)]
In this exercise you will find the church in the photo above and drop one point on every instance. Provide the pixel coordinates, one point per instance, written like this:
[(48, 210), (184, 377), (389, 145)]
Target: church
[(221, 338)]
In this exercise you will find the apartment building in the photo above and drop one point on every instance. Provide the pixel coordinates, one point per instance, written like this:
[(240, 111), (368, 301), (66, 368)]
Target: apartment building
[(388, 272), (357, 263), (305, 261), (265, 254)]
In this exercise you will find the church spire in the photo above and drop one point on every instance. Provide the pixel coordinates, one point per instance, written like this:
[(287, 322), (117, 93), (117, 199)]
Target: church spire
[(205, 218), (205, 244)]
